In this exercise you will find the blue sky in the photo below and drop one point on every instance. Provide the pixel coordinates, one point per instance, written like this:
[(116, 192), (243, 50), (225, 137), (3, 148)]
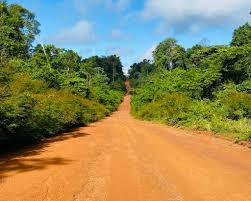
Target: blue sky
[(133, 28)]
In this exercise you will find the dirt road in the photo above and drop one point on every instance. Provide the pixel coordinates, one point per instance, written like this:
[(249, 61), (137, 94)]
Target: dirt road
[(123, 159)]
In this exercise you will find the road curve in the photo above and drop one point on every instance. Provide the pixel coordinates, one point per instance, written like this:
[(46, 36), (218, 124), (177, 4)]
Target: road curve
[(123, 159)]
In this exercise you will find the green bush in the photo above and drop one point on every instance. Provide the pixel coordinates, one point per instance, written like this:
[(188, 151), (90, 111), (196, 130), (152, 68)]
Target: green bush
[(172, 101), (179, 110), (236, 104), (32, 111), (108, 97), (171, 108)]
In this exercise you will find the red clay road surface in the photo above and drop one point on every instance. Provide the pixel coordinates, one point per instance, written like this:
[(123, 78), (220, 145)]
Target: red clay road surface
[(123, 159)]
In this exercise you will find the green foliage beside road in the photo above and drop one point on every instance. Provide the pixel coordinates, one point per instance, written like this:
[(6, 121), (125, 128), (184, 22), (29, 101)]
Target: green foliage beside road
[(44, 89), (203, 88)]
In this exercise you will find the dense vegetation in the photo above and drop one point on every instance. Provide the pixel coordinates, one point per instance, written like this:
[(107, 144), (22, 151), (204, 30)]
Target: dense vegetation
[(204, 88), (45, 89)]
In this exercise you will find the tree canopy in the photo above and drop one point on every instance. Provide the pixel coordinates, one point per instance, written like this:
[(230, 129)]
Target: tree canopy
[(203, 87), (169, 54), (45, 89), (18, 28), (242, 36)]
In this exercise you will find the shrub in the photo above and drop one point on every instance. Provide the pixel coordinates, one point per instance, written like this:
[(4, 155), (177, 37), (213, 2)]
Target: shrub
[(236, 104), (32, 111), (228, 114), (171, 108)]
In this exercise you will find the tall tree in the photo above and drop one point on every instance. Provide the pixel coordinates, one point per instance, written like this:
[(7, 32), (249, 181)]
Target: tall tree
[(242, 36), (143, 68), (69, 61), (169, 54), (111, 65), (18, 28)]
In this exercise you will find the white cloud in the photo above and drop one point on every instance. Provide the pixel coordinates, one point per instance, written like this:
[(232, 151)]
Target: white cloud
[(161, 29), (81, 32), (148, 54), (117, 5), (182, 14), (194, 28), (117, 34), (120, 51)]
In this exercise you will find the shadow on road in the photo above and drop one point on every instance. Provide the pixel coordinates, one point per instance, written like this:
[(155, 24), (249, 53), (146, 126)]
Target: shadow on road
[(17, 160)]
